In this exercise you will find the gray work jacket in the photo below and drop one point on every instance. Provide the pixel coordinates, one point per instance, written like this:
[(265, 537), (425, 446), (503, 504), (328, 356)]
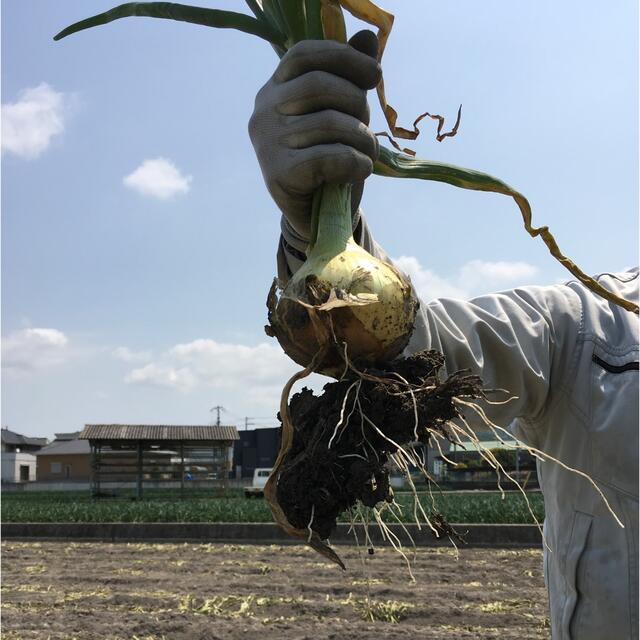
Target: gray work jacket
[(571, 359)]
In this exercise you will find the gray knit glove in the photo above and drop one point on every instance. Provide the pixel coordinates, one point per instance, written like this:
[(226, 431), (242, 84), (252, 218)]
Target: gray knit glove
[(309, 124)]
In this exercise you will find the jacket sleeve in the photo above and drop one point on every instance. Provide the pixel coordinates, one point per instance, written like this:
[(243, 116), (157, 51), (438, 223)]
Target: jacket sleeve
[(519, 340)]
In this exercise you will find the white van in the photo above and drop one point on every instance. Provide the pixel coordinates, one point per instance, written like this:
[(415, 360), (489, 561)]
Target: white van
[(256, 490)]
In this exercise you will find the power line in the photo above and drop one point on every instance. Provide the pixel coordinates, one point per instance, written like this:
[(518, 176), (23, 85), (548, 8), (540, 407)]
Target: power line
[(248, 421)]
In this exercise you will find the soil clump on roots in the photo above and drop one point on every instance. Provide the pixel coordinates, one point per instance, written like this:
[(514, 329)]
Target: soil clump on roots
[(345, 440)]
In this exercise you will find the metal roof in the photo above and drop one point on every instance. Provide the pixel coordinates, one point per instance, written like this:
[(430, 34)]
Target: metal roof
[(158, 432), (65, 448), (490, 438), (11, 437), (70, 435), (483, 445)]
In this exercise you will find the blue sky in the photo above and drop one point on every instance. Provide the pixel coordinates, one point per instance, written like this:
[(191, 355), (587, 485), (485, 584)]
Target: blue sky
[(138, 240)]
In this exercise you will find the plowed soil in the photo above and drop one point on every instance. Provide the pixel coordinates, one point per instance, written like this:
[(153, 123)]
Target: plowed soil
[(86, 591)]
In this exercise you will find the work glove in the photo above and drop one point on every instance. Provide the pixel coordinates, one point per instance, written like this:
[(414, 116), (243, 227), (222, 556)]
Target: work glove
[(309, 124)]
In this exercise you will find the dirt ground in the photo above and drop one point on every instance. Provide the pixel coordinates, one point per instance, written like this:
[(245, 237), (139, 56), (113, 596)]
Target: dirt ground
[(86, 591)]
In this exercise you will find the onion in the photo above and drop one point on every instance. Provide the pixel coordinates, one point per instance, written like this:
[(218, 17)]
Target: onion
[(343, 303)]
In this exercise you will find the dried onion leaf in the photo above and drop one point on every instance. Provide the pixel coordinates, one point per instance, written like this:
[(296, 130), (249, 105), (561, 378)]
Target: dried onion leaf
[(396, 165)]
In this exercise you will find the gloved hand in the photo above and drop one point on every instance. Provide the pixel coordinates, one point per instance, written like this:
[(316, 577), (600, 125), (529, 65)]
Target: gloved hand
[(309, 124)]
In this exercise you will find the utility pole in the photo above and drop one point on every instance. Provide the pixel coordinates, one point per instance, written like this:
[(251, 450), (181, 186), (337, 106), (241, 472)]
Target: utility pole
[(218, 409)]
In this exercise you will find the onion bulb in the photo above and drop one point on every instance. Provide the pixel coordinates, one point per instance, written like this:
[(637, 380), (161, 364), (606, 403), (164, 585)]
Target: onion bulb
[(342, 302)]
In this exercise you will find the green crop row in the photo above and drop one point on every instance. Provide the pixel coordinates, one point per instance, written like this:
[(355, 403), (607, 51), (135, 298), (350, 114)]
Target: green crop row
[(79, 507)]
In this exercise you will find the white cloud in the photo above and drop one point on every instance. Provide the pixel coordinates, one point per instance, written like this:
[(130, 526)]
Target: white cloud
[(158, 178), (473, 278), (127, 355), (158, 375), (477, 275), (259, 370), (29, 124), (428, 283), (31, 349)]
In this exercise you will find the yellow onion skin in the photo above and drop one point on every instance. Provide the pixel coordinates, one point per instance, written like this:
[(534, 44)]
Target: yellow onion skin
[(373, 312)]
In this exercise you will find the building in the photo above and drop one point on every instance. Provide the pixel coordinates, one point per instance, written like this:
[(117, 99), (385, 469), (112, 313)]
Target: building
[(466, 467), (18, 456), (255, 448), (159, 456), (65, 459), (71, 435)]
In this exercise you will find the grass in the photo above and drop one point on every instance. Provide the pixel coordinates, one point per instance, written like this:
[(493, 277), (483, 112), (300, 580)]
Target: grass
[(78, 506), (218, 606), (383, 610), (504, 606)]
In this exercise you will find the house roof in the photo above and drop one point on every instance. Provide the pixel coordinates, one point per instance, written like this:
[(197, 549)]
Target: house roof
[(11, 437), (70, 435), (66, 448), (490, 437), (483, 445), (158, 432)]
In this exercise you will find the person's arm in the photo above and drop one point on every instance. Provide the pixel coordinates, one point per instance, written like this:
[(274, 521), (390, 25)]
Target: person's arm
[(520, 340)]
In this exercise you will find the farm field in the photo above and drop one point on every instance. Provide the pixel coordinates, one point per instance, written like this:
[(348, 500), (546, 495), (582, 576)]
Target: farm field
[(83, 591), (481, 507)]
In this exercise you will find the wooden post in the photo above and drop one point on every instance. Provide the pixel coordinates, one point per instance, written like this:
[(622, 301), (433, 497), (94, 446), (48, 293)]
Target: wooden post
[(98, 468), (181, 469), (93, 474), (139, 483), (229, 461), (214, 470)]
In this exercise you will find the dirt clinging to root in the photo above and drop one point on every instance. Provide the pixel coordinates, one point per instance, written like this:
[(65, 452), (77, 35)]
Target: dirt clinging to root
[(338, 456)]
